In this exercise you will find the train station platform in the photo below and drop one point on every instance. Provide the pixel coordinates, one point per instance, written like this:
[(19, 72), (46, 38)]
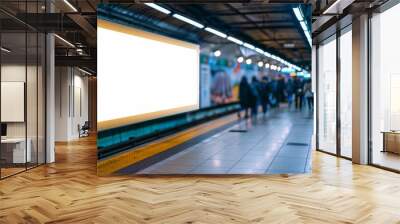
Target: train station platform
[(277, 143)]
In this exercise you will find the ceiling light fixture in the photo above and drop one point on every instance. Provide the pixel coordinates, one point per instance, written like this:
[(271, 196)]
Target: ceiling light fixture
[(5, 50), (84, 71), (299, 15), (70, 5), (259, 50), (216, 32), (332, 6), (260, 64), (240, 59), (248, 61), (217, 53), (187, 20), (234, 40), (159, 8), (267, 54), (64, 40), (249, 46), (304, 26)]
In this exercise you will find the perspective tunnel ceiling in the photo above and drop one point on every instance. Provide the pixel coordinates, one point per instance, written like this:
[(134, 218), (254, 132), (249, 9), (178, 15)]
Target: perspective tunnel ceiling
[(271, 25)]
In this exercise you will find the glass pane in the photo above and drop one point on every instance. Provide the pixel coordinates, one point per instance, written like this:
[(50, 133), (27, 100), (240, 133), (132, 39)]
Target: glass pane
[(386, 89), (327, 96), (31, 97), (346, 93), (14, 153)]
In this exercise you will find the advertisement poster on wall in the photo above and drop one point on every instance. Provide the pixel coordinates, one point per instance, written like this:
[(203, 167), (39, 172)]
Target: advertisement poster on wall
[(220, 78)]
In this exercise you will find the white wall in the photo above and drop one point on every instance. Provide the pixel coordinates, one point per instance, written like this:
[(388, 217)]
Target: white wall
[(33, 127), (15, 72), (71, 102)]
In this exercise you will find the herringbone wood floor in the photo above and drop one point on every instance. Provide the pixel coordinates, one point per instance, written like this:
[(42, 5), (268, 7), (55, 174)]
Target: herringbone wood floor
[(70, 192)]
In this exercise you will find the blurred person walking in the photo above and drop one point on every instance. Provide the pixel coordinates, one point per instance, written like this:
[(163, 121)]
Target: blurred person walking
[(281, 89), (274, 93), (255, 91), (245, 96), (265, 92), (299, 93), (308, 94), (290, 91)]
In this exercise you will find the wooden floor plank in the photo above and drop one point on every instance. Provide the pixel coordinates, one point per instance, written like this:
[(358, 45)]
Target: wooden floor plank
[(69, 191)]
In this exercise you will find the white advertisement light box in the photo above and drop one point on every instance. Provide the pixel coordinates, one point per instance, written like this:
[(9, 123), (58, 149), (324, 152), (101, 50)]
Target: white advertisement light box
[(142, 75)]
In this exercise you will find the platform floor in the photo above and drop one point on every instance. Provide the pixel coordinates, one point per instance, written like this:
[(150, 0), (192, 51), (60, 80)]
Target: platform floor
[(277, 143)]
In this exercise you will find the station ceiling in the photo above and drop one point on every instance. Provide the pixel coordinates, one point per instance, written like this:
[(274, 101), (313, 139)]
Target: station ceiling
[(270, 25)]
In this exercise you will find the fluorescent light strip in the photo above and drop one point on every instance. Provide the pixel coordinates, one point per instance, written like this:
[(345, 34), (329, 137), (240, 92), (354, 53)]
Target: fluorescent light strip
[(333, 5), (259, 51), (64, 40), (304, 26), (216, 32), (70, 5), (234, 40), (249, 46), (298, 14), (5, 50), (230, 38), (84, 71), (159, 8), (187, 20), (308, 35)]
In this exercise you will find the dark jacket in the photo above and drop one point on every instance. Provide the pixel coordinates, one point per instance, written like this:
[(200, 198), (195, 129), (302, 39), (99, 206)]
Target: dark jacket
[(265, 90), (255, 88), (245, 95)]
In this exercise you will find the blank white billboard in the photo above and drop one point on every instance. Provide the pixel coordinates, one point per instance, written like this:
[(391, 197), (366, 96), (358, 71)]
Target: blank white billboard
[(142, 75)]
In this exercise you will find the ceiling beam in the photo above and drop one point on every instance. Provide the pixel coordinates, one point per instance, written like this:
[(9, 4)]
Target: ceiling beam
[(229, 13), (83, 61), (280, 39), (260, 22), (86, 26), (264, 27), (262, 30)]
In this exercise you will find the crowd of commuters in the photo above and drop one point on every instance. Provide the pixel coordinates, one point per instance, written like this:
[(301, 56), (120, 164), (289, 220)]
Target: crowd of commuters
[(267, 92)]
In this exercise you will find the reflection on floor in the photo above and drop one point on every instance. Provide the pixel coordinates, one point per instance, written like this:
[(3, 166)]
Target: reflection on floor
[(8, 171), (386, 159), (278, 143)]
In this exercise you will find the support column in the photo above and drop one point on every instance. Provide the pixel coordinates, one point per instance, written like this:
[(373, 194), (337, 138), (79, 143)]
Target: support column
[(360, 90), (50, 99), (50, 92), (314, 90)]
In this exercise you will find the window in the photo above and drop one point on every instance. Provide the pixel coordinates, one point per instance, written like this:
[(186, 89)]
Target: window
[(327, 96), (22, 94), (385, 89), (346, 93)]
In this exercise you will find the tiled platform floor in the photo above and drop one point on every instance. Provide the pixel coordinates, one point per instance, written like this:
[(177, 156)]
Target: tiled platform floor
[(275, 144)]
